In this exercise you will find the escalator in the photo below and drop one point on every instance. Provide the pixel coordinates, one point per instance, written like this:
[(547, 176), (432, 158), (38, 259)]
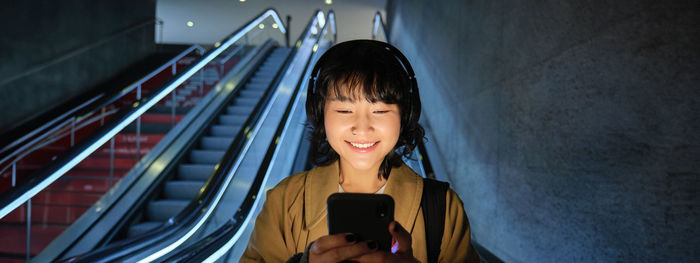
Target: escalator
[(64, 201), (233, 175), (192, 173), (129, 143)]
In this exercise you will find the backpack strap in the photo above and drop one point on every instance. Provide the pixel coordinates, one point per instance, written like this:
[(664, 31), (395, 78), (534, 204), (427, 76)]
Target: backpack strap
[(433, 204)]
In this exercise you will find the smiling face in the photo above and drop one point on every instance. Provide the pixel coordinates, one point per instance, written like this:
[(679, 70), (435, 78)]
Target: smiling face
[(360, 131)]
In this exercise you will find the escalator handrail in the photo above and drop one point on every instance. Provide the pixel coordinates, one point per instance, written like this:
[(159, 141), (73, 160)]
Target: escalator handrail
[(228, 234), (41, 136), (41, 179), (376, 24), (198, 209)]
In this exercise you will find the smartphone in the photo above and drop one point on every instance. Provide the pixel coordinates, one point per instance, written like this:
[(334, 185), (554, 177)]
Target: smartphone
[(365, 215)]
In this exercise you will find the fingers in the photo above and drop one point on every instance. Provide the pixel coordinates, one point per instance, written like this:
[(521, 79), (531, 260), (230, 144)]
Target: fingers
[(400, 235), (325, 243), (335, 248)]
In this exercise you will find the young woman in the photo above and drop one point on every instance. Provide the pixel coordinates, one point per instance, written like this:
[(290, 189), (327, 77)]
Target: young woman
[(363, 105)]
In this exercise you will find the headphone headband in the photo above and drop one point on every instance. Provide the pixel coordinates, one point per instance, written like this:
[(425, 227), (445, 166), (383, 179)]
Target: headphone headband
[(403, 61)]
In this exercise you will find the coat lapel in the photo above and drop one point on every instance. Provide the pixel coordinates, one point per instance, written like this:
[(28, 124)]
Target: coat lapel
[(406, 188), (320, 183)]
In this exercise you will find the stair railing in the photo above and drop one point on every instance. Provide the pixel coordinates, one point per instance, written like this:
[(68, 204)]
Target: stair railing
[(78, 117)]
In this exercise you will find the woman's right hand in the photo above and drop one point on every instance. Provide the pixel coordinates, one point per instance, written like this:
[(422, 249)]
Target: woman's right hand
[(339, 247)]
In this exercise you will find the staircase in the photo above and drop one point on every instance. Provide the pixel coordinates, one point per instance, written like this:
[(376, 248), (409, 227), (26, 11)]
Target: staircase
[(198, 164), (64, 201)]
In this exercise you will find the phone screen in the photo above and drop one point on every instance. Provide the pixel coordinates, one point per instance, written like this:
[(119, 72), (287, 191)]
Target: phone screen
[(366, 215)]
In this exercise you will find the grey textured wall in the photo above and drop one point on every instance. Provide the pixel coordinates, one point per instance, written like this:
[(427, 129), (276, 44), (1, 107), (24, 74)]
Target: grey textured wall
[(571, 129), (41, 34)]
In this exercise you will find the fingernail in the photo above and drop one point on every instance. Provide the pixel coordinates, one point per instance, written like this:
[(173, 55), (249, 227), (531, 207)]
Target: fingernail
[(372, 244), (350, 238)]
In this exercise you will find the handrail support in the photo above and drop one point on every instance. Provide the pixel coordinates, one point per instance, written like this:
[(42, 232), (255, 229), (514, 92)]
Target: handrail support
[(29, 228), (111, 161), (138, 125), (14, 173), (72, 132)]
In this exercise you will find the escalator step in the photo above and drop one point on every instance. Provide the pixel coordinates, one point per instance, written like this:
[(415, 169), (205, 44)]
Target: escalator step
[(182, 190), (246, 101), (161, 210), (141, 228), (250, 93), (265, 73), (238, 110), (216, 143), (225, 130), (206, 156), (258, 87), (198, 172), (232, 119), (264, 80)]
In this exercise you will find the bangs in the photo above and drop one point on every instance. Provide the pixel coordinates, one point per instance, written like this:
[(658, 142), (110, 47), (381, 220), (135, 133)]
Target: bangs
[(372, 86)]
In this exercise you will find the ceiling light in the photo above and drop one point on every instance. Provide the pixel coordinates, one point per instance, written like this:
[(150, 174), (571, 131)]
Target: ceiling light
[(242, 1), (190, 24), (261, 26), (275, 26), (328, 2)]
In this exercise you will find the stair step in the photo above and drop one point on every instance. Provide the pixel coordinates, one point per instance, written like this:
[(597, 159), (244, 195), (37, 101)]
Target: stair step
[(260, 79), (232, 119), (197, 172), (161, 210), (260, 87), (206, 156), (248, 93), (215, 143), (182, 190), (238, 110), (225, 130), (246, 101)]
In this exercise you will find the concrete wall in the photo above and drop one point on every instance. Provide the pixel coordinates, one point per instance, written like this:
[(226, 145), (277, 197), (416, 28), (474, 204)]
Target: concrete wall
[(57, 38), (571, 128)]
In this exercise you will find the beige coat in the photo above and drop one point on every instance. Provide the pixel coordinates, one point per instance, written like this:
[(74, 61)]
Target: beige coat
[(294, 215)]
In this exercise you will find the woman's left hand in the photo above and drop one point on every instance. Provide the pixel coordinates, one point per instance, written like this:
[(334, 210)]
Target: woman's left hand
[(404, 253)]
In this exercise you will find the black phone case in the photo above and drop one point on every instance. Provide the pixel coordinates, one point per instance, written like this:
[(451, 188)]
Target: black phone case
[(365, 215)]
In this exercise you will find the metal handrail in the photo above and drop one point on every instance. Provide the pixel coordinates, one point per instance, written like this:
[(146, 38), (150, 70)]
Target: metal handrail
[(14, 197), (36, 140)]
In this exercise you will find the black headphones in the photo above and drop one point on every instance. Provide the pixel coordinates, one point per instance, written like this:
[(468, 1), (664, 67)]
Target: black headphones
[(389, 48)]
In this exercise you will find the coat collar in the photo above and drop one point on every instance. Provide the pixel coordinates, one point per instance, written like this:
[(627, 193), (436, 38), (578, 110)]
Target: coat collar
[(403, 185)]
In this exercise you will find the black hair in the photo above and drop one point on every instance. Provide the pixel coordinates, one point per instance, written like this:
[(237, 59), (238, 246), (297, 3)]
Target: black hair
[(378, 72)]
